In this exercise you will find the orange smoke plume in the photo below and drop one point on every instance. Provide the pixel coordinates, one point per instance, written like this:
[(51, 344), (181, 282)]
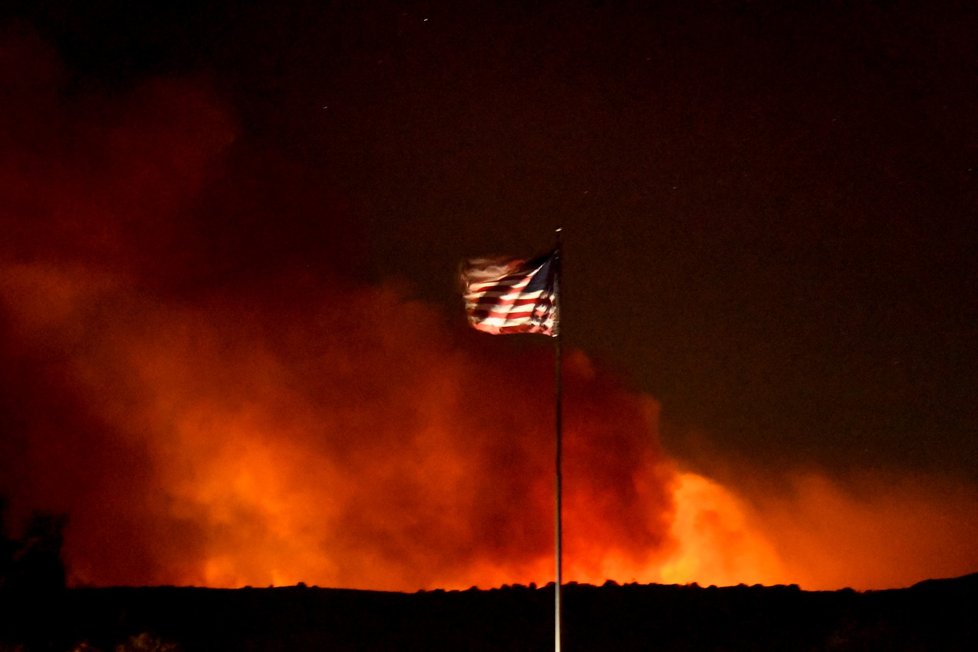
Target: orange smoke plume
[(255, 449), (191, 372), (871, 531), (203, 424)]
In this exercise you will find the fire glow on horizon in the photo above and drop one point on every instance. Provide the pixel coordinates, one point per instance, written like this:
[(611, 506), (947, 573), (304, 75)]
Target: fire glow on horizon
[(302, 428)]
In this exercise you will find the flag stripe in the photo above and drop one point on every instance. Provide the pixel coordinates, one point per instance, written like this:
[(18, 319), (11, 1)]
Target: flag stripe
[(510, 295)]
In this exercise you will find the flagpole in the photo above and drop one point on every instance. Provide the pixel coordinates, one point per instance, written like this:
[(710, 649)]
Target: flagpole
[(558, 385)]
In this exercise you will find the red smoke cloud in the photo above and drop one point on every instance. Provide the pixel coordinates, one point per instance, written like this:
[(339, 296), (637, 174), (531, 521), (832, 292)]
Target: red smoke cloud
[(201, 423), (193, 374), (875, 530)]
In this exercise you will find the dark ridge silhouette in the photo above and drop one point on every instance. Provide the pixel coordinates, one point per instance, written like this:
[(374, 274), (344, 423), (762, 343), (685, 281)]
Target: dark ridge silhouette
[(932, 615)]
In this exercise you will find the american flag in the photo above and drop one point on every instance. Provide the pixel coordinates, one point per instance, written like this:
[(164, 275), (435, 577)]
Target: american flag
[(505, 295)]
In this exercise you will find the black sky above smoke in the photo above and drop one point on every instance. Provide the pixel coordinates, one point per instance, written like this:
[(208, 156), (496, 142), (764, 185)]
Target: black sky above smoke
[(769, 210)]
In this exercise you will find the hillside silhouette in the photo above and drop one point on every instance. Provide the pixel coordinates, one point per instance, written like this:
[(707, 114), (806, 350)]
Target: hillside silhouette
[(932, 615)]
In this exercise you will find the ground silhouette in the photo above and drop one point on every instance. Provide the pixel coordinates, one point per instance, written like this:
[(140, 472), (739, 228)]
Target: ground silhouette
[(932, 615)]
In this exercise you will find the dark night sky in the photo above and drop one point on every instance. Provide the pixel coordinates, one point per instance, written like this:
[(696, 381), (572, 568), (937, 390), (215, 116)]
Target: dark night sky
[(769, 208)]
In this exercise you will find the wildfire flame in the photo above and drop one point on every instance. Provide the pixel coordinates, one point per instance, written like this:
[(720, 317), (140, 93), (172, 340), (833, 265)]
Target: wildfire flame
[(203, 425)]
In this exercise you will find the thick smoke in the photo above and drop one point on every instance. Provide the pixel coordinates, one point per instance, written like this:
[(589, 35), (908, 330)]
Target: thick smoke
[(859, 528), (194, 371), (209, 406), (873, 530)]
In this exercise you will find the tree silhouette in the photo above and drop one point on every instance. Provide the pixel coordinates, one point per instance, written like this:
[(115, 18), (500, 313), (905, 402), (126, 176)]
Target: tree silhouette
[(32, 563)]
